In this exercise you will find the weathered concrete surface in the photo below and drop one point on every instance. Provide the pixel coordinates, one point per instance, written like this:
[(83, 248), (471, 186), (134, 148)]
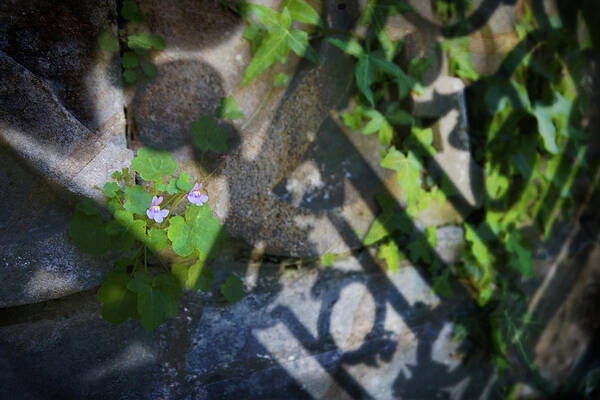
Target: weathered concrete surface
[(345, 332), (566, 345), (62, 130), (444, 99), (37, 261), (37, 126), (56, 41)]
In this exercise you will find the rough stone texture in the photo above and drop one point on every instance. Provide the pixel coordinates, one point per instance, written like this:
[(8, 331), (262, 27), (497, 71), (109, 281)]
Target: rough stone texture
[(350, 331), (37, 126), (444, 99), (56, 41), (491, 43), (295, 181), (61, 132), (37, 260), (568, 339)]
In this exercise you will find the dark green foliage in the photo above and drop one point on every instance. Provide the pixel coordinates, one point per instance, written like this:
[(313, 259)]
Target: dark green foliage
[(132, 289)]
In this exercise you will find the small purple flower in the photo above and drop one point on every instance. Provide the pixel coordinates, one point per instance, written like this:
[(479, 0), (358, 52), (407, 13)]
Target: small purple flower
[(195, 197), (154, 212)]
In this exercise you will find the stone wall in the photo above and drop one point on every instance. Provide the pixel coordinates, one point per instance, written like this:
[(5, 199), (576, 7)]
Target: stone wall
[(295, 183)]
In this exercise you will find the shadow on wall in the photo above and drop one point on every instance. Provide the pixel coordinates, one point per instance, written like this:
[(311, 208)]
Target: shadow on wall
[(426, 378)]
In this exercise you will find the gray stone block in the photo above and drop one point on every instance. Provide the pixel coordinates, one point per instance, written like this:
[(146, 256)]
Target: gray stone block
[(350, 331)]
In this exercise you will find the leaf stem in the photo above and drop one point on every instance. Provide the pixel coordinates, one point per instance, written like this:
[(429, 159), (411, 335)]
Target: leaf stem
[(258, 109), (181, 196), (330, 32), (201, 164)]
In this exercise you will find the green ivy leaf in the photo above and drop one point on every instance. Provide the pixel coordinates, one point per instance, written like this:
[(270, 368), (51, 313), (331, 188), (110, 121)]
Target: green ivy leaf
[(198, 231), (496, 183), (497, 336), (520, 256), (170, 188), (422, 247), (276, 44), (200, 277), (378, 123), (180, 272), (391, 254), (499, 94), (379, 9), (88, 233), (297, 40), (129, 60), (111, 190), (478, 246), (208, 135), (405, 84), (140, 42), (125, 230), (551, 119), (418, 67), (149, 69), (420, 141), (183, 183), (137, 200), (233, 289), (392, 219), (328, 259), (255, 35), (281, 80), (375, 15), (265, 15), (354, 120), (151, 163), (107, 41), (396, 116), (120, 236), (130, 75), (158, 42), (131, 12), (118, 303), (441, 283), (302, 12), (156, 240), (364, 74), (156, 297), (87, 206), (409, 175), (526, 156), (460, 58), (273, 47), (350, 46), (114, 205), (229, 109)]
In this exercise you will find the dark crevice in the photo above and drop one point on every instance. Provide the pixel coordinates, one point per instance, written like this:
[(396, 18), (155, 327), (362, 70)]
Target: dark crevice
[(122, 25), (81, 304), (128, 133)]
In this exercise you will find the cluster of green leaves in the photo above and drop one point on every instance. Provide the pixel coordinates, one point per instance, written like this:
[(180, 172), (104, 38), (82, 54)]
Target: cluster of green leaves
[(207, 134), (272, 36), (383, 87), (132, 290), (527, 133), (449, 9), (136, 56), (529, 140), (459, 56)]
